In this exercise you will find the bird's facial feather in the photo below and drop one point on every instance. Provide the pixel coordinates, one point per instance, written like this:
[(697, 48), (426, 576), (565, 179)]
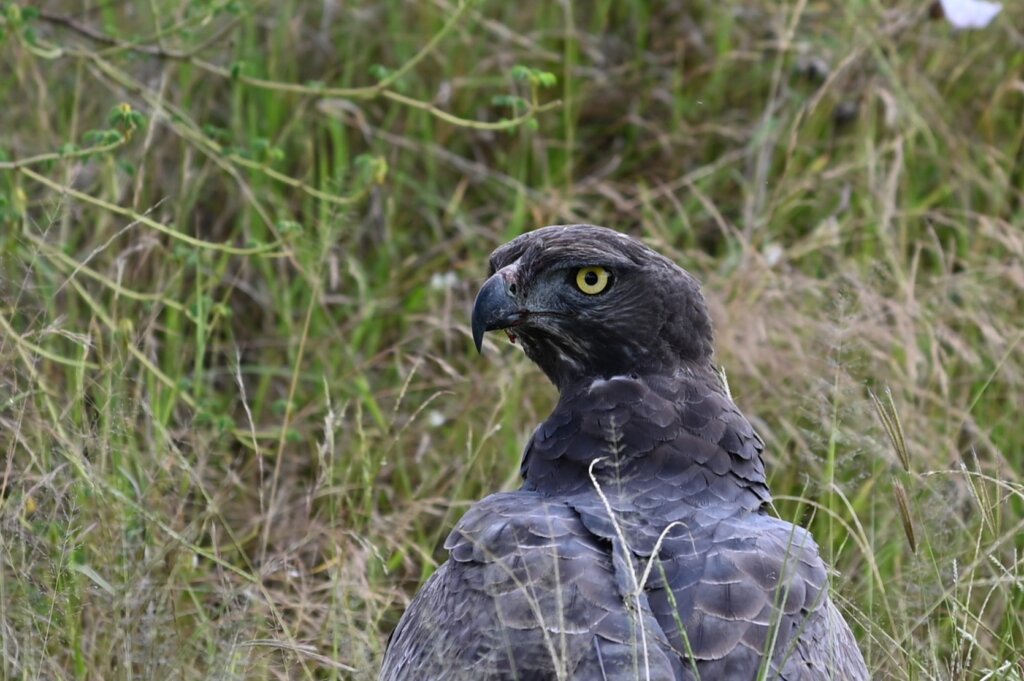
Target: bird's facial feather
[(587, 302)]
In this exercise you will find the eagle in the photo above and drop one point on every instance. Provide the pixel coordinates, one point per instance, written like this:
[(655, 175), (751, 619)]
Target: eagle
[(641, 543)]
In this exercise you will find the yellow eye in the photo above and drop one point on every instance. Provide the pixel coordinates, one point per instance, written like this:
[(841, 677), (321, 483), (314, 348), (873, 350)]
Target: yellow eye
[(592, 280)]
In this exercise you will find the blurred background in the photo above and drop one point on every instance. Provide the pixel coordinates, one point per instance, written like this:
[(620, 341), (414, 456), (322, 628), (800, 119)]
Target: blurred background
[(239, 404)]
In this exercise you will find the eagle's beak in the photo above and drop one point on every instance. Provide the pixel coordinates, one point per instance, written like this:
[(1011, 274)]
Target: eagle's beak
[(495, 308)]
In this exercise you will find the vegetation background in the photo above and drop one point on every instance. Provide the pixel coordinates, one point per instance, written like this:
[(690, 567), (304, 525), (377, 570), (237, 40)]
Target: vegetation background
[(239, 404)]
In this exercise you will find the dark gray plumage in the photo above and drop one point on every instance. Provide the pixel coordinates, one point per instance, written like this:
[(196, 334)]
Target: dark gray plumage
[(556, 580)]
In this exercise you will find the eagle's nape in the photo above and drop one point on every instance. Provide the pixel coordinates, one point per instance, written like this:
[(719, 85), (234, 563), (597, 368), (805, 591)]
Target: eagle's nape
[(645, 457)]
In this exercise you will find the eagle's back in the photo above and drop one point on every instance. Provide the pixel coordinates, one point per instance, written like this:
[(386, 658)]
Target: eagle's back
[(556, 580)]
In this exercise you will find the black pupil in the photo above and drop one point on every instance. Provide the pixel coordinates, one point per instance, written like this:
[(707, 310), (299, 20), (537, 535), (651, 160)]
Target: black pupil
[(590, 278)]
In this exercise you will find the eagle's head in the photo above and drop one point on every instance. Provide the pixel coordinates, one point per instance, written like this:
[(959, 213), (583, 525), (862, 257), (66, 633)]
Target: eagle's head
[(587, 302)]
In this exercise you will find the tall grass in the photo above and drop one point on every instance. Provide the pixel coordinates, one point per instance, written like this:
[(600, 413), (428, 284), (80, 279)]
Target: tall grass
[(239, 406)]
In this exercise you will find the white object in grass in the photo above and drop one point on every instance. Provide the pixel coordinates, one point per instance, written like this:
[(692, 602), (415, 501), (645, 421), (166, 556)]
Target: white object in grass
[(970, 13)]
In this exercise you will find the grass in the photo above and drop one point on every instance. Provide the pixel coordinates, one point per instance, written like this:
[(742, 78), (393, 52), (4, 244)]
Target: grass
[(239, 405)]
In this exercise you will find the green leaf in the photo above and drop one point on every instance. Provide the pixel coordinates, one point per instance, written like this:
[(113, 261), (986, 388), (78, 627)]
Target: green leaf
[(289, 227), (101, 138), (215, 132), (546, 79), (379, 71), (372, 169), (536, 77), (520, 72)]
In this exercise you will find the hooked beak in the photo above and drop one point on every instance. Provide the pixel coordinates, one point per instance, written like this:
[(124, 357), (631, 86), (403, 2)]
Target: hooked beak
[(495, 307)]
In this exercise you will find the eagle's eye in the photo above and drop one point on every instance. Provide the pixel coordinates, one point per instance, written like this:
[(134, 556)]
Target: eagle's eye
[(592, 280)]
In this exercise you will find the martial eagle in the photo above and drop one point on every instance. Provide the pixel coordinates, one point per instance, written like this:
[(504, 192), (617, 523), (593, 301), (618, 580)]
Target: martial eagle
[(640, 545)]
